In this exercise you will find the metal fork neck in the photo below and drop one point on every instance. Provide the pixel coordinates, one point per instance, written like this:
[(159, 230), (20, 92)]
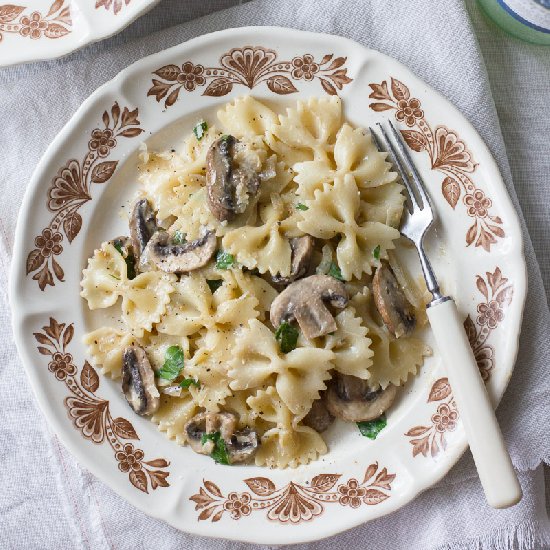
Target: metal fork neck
[(429, 276)]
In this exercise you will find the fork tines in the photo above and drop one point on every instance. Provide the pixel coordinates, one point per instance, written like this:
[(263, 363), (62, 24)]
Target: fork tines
[(404, 165)]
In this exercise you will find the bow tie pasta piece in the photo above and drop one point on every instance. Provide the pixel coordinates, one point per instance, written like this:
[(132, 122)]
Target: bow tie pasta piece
[(104, 278), (254, 286), (286, 444), (144, 300), (281, 182), (333, 213), (168, 182), (156, 344), (190, 307), (194, 215), (394, 360), (237, 404), (264, 248), (209, 367), (105, 347), (350, 344), (382, 204), (308, 131), (355, 153), (246, 117), (173, 413), (299, 375)]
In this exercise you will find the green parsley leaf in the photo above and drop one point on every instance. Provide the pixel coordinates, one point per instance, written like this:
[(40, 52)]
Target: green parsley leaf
[(302, 207), (200, 129), (225, 137), (179, 237), (219, 453), (173, 363), (372, 428), (224, 260), (214, 284), (334, 271), (287, 335), (376, 253), (186, 382), (129, 259)]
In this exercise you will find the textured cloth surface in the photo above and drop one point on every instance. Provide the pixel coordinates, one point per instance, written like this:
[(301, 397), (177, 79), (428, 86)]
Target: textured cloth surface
[(48, 501)]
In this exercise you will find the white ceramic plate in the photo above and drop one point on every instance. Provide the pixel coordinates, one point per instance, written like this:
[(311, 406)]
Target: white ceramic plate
[(34, 30), (72, 205)]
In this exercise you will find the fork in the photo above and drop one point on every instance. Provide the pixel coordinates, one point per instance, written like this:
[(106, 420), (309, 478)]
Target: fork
[(492, 460)]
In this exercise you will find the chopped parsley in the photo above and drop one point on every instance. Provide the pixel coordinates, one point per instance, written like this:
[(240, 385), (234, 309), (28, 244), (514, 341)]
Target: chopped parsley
[(219, 453), (225, 138), (129, 259), (376, 253), (224, 260), (186, 382), (334, 271), (287, 336), (302, 207), (200, 129), (214, 284), (179, 237), (372, 428), (173, 363)]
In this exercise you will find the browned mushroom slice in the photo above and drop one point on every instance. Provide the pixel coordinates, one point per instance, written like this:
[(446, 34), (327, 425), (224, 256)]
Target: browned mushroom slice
[(304, 301), (138, 381), (143, 225), (351, 399), (241, 445), (229, 186), (174, 257), (302, 250), (396, 311), (319, 417)]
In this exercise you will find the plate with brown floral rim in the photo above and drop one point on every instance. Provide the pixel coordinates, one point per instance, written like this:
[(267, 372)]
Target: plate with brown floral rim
[(35, 30), (72, 204)]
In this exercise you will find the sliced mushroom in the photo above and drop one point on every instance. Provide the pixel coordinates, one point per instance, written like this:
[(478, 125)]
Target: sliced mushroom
[(178, 258), (351, 399), (302, 250), (143, 225), (229, 186), (240, 445), (319, 417), (396, 311), (304, 301), (138, 381)]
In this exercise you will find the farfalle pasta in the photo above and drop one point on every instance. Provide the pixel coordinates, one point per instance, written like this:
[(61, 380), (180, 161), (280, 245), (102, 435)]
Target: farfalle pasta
[(258, 294)]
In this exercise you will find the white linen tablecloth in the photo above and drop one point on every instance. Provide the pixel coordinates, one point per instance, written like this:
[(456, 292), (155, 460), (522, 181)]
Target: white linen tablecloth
[(47, 501)]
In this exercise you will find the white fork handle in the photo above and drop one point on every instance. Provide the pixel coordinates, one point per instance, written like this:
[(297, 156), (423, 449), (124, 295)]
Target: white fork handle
[(492, 460)]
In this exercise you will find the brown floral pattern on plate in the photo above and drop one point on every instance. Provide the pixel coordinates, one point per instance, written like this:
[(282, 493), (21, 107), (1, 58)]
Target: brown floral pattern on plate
[(249, 66), (448, 155), (70, 190), (498, 294), (90, 414), (293, 503), (19, 19), (108, 4)]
